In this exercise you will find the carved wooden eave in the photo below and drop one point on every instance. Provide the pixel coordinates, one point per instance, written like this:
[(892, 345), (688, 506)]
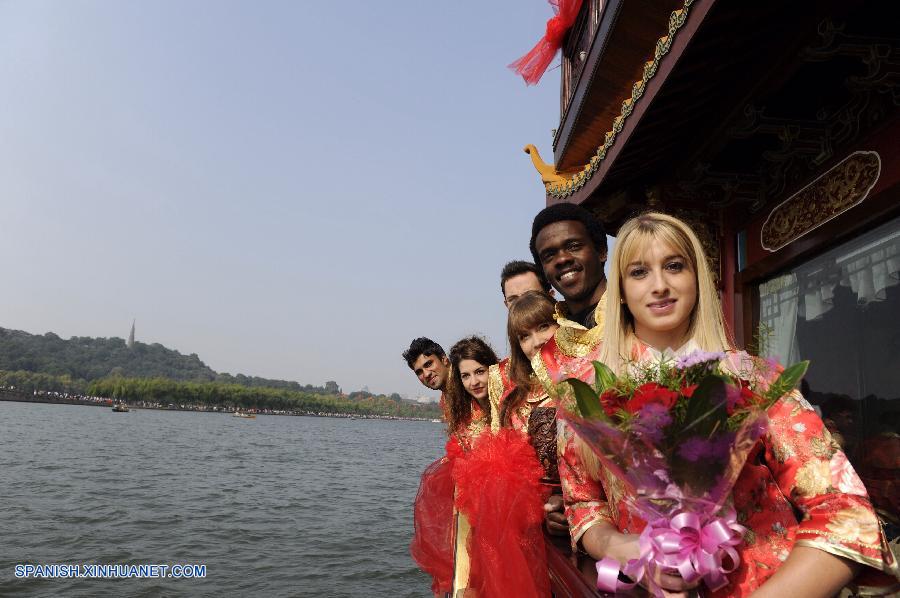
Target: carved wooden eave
[(604, 54), (660, 59), (741, 105)]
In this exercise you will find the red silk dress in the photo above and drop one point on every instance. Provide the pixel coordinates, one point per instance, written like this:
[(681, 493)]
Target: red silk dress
[(571, 353), (797, 488), (492, 478)]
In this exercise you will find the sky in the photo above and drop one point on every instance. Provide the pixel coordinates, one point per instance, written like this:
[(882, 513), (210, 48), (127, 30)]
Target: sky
[(291, 190)]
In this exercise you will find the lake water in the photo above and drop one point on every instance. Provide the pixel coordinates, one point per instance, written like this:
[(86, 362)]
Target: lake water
[(276, 506)]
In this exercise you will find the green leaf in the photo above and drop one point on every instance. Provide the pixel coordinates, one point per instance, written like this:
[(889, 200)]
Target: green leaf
[(787, 381), (587, 400), (706, 409), (604, 377)]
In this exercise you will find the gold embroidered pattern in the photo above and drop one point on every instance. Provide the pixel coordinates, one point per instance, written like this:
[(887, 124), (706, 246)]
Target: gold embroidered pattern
[(822, 447), (856, 524), (543, 376), (782, 451), (573, 339), (842, 551), (495, 392), (813, 478)]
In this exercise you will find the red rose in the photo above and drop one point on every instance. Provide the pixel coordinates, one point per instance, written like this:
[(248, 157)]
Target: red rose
[(611, 401), (739, 398), (651, 393)]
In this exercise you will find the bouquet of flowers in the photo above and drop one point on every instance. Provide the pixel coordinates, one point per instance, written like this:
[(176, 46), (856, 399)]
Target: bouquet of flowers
[(676, 433)]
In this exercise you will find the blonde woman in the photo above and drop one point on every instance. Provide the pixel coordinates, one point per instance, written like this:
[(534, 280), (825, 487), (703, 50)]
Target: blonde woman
[(812, 526)]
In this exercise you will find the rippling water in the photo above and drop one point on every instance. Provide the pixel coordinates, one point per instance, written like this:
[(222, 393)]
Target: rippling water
[(276, 506)]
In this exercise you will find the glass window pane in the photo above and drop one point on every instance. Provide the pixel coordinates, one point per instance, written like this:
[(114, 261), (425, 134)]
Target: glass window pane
[(841, 310)]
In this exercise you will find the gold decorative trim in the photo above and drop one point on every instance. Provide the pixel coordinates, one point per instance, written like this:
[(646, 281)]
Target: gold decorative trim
[(844, 552), (543, 376), (663, 45), (573, 339), (461, 564), (586, 525), (842, 187), (495, 393)]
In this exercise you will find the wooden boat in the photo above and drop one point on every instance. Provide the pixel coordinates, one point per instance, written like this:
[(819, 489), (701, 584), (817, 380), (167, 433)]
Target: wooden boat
[(571, 575), (244, 415), (121, 407)]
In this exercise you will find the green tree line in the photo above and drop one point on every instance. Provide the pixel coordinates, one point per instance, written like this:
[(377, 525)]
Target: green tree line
[(218, 394)]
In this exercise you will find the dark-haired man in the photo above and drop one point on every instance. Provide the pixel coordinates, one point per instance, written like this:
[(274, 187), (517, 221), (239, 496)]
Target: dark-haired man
[(518, 277), (569, 245), (430, 364)]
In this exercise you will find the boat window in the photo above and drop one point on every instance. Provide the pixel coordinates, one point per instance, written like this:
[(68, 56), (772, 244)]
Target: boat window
[(841, 310)]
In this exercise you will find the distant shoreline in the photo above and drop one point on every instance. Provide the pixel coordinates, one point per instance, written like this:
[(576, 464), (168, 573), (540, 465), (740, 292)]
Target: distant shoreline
[(16, 397)]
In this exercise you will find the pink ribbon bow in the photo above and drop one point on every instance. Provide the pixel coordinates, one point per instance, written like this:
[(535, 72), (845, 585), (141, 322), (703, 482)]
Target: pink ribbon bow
[(693, 544)]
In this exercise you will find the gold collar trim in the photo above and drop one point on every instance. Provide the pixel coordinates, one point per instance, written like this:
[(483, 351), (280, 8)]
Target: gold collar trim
[(573, 339)]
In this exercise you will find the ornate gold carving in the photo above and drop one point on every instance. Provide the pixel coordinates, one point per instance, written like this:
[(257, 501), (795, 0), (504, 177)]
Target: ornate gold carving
[(843, 186), (663, 45), (548, 172)]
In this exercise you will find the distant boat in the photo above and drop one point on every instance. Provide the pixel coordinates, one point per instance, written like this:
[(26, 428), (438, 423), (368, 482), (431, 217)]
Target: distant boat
[(243, 415), (121, 407), (436, 421)]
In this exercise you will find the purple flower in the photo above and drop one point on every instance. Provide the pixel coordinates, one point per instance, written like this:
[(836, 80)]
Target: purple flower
[(650, 421), (699, 358), (696, 448), (721, 446), (759, 427)]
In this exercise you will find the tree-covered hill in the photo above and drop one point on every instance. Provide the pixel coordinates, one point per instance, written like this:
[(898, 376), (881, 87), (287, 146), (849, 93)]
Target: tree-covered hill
[(85, 358), (154, 373)]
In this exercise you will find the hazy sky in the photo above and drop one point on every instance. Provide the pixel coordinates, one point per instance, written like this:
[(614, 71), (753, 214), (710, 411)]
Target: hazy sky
[(288, 189)]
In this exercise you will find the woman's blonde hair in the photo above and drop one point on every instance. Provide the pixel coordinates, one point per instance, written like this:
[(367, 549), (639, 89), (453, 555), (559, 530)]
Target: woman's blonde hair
[(707, 327)]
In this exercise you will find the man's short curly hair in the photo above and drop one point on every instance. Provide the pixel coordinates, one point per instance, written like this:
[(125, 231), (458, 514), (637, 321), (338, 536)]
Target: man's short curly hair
[(567, 211)]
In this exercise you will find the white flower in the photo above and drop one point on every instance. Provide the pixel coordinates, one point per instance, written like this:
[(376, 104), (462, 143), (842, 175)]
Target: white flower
[(844, 477)]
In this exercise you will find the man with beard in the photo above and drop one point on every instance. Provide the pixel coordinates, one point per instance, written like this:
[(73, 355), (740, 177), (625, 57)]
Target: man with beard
[(430, 364)]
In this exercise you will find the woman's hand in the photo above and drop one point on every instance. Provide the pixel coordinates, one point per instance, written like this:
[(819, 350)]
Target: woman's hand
[(603, 540)]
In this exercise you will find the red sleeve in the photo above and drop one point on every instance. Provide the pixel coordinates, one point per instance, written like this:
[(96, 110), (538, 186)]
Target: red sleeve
[(584, 499), (814, 473)]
